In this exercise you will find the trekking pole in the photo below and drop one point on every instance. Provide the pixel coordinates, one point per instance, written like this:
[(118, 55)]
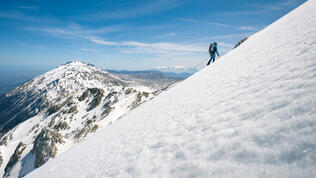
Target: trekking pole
[(199, 64)]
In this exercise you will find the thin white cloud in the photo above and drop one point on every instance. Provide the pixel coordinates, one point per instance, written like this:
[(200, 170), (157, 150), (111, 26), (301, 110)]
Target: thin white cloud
[(198, 21), (55, 32), (219, 38), (237, 35), (265, 7), (166, 46), (162, 47), (108, 29), (134, 10), (103, 42), (26, 17), (247, 28), (275, 6), (227, 45), (16, 15), (87, 49), (153, 46), (77, 31), (77, 28), (29, 7), (244, 28)]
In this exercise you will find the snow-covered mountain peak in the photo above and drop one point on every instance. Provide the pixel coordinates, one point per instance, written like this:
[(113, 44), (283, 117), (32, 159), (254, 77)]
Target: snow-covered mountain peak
[(45, 116), (77, 65), (69, 78)]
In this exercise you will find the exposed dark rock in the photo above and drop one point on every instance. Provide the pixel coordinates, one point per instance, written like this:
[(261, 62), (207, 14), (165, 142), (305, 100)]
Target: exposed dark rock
[(64, 111), (97, 97), (34, 127), (1, 134), (1, 159), (96, 91), (129, 90), (83, 96), (107, 104), (4, 141), (239, 42), (14, 158), (145, 94), (52, 122), (89, 122), (61, 126), (94, 128), (98, 94), (110, 95), (45, 147), (73, 109), (69, 101), (107, 111), (89, 128), (95, 102), (53, 83), (138, 100), (52, 109)]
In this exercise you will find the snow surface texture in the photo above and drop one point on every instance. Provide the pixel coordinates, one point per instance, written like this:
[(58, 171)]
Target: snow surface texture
[(252, 113)]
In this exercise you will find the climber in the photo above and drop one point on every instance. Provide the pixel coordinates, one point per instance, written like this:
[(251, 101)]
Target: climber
[(213, 51)]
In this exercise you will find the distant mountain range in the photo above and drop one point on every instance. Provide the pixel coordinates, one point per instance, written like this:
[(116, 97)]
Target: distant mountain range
[(154, 74), (11, 79)]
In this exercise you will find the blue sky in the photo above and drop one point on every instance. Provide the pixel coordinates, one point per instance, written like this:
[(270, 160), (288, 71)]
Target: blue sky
[(131, 35)]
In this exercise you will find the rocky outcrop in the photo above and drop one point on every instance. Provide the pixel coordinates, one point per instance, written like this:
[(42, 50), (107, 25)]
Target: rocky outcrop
[(89, 128), (139, 100), (61, 126), (45, 146), (52, 109), (239, 42), (83, 96), (4, 141), (97, 95), (1, 159), (14, 158), (107, 111), (73, 109)]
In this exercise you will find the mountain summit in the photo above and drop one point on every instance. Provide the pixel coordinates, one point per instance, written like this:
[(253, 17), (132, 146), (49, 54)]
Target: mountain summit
[(32, 97), (249, 114)]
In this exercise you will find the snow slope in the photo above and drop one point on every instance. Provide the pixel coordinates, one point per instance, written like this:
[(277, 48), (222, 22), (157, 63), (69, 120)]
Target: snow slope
[(250, 114)]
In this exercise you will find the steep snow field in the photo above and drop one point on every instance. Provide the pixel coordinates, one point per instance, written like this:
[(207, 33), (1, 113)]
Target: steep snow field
[(250, 114)]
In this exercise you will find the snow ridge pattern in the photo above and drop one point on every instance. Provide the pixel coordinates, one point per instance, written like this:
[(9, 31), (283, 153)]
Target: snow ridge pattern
[(252, 113)]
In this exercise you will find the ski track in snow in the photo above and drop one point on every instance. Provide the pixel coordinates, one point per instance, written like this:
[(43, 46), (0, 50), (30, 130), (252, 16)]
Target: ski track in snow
[(252, 113)]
